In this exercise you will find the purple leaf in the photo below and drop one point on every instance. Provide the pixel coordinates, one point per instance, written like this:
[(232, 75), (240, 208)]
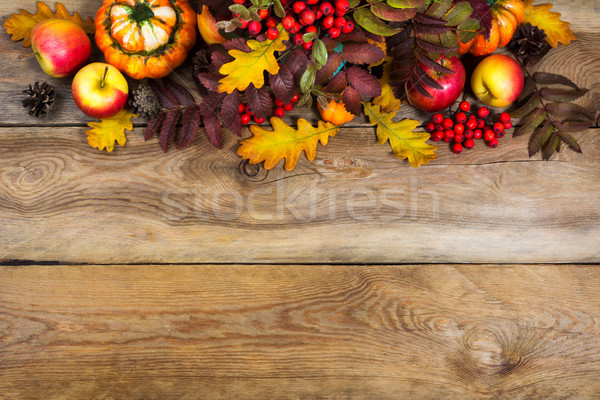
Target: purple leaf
[(351, 100), (190, 123), (366, 84), (282, 84), (167, 130), (259, 101), (165, 98), (230, 115), (362, 53), (154, 125), (183, 97)]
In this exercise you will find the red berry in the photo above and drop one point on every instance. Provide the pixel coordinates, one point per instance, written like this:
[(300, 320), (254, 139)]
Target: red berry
[(244, 24), (245, 119), (279, 112), (457, 148), (469, 134), (349, 27), (448, 135), (437, 136), (465, 106), (326, 8), (241, 108), (327, 22), (307, 17), (288, 22), (498, 127), (296, 28), (460, 117), (272, 33), (339, 22), (477, 134), (259, 120), (480, 123), (342, 5), (507, 125), (278, 103), (263, 13), (468, 144), (483, 112), (493, 143), (473, 116), (504, 117), (334, 32), (271, 22), (254, 27), (308, 45), (239, 1), (248, 110), (430, 127), (437, 118), (298, 39), (459, 138), (500, 135), (459, 129), (447, 123), (311, 29), (289, 107), (299, 6), (339, 13), (471, 124), (311, 2), (488, 135), (295, 98)]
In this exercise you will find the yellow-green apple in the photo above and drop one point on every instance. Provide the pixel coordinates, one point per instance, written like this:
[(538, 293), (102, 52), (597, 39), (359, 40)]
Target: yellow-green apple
[(60, 46), (100, 90), (452, 84), (497, 81)]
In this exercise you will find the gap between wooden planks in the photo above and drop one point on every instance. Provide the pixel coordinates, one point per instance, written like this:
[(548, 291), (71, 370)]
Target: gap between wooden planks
[(302, 332)]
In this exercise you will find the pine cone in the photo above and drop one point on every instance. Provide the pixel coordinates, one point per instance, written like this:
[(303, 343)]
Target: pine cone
[(41, 98), (143, 101), (528, 42)]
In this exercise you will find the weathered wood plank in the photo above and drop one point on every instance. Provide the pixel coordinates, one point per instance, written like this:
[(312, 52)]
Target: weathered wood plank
[(18, 68), (306, 332), (62, 200)]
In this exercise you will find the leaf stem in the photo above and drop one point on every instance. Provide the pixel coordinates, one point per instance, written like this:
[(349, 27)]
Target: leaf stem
[(103, 80)]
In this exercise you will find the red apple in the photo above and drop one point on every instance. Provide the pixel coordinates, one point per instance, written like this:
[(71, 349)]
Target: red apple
[(497, 81), (452, 86), (60, 46), (100, 90)]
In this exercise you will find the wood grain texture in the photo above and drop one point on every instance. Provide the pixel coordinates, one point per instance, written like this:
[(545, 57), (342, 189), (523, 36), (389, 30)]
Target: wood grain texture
[(61, 200), (300, 332)]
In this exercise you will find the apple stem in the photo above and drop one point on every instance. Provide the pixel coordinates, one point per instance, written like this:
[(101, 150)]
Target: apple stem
[(103, 81)]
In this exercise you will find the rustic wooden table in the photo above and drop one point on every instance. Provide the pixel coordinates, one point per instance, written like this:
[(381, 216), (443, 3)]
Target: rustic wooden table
[(143, 275)]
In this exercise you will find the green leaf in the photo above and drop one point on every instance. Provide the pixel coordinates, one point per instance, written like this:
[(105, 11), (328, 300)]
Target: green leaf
[(570, 141), (531, 121), (468, 30), (389, 13), (550, 146), (319, 52), (307, 80), (562, 95), (529, 106), (539, 137), (570, 111), (241, 10), (458, 14), (406, 3), (527, 90), (439, 8), (370, 22), (278, 8), (546, 78), (571, 126)]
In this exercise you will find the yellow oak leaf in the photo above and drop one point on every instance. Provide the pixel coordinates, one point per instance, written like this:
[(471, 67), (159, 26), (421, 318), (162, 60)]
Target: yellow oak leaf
[(556, 30), (247, 68), (387, 100), (405, 143), (285, 142), (21, 25), (104, 133)]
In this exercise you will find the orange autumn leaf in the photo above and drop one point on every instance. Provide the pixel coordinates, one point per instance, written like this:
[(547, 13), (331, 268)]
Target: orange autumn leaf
[(104, 133), (285, 142), (21, 25), (557, 31)]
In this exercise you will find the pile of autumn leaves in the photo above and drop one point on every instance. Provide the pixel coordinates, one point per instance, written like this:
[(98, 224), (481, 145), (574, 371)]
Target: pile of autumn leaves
[(284, 141)]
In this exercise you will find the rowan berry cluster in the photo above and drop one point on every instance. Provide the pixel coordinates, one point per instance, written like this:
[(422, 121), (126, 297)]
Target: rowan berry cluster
[(315, 17), (247, 115), (464, 128)]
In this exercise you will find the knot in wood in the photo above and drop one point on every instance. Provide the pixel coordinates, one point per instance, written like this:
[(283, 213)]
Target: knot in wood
[(253, 172)]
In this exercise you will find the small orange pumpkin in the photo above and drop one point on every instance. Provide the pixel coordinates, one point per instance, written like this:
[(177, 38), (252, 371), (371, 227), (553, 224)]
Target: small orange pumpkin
[(335, 113), (506, 17), (145, 38)]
